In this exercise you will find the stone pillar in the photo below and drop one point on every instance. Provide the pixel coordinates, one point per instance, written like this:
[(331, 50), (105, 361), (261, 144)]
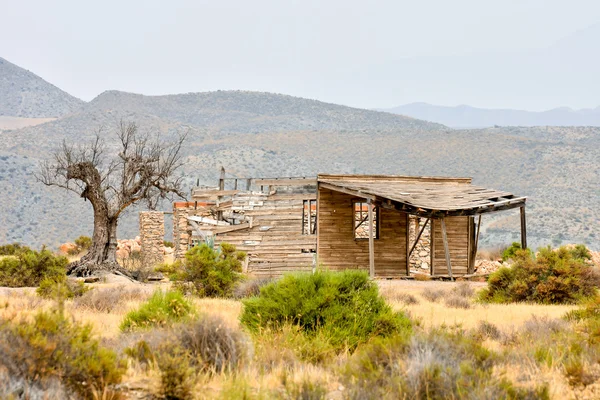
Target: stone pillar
[(181, 233), (152, 236)]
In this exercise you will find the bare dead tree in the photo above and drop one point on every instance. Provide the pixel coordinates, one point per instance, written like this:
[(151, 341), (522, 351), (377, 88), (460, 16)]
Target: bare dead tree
[(141, 171)]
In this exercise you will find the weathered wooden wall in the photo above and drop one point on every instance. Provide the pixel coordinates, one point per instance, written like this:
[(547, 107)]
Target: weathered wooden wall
[(337, 248), (458, 231), (275, 243)]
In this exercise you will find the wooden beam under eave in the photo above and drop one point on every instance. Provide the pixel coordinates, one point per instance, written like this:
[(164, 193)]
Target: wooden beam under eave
[(408, 250), (371, 241), (523, 228), (446, 248)]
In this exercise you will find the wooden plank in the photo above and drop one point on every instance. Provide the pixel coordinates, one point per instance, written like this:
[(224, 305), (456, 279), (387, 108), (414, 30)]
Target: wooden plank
[(407, 242), (371, 241), (224, 229), (286, 182), (523, 228), (212, 194), (205, 220), (432, 248), (446, 250)]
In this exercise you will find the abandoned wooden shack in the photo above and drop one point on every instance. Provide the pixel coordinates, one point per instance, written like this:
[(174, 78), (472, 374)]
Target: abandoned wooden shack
[(371, 222)]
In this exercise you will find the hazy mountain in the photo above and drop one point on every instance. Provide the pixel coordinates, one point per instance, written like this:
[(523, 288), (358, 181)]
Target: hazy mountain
[(253, 112), (264, 135), (464, 116), (26, 95)]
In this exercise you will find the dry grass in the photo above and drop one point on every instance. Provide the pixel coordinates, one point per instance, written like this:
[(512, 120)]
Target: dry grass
[(275, 371), (434, 314)]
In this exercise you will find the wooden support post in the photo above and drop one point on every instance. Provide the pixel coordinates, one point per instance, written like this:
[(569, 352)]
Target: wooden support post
[(446, 248), (221, 187), (432, 247), (523, 228), (248, 184), (235, 184), (474, 249), (371, 241), (407, 244)]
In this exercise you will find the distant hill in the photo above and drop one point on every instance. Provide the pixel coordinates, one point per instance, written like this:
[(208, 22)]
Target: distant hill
[(253, 112), (464, 116), (256, 134), (26, 95)]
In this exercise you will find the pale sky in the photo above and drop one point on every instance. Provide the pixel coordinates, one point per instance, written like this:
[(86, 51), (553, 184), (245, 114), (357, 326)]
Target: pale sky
[(528, 54)]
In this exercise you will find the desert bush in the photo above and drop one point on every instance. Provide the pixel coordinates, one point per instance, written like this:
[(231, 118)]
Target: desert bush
[(108, 300), (463, 289), (487, 330), (391, 293), (456, 301), (250, 287), (433, 295), (12, 249), (213, 345), (162, 309), (580, 252), (83, 243), (29, 268), (16, 387), (60, 287), (53, 347), (441, 364), (554, 277), (167, 243), (344, 307), (176, 373), (207, 272), (421, 277), (511, 251)]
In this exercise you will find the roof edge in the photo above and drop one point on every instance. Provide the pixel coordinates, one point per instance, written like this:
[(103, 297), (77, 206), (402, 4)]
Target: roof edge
[(399, 178)]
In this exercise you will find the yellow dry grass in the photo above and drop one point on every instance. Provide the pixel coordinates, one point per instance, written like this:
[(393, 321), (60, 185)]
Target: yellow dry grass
[(434, 314), (23, 302)]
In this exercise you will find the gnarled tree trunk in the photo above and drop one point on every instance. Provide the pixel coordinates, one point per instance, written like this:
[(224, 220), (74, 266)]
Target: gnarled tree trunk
[(101, 256)]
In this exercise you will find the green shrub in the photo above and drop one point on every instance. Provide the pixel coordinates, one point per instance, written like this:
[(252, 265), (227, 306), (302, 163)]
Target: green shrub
[(83, 243), (580, 252), (554, 277), (161, 309), (12, 249), (176, 373), (343, 307), (29, 268), (52, 347), (207, 272), (61, 287), (511, 251), (167, 243)]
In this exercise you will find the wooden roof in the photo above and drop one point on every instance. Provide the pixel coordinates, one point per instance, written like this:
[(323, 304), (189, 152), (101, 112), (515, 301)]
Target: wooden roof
[(424, 196)]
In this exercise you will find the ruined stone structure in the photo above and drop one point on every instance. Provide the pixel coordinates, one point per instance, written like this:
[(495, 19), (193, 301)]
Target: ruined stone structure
[(152, 236)]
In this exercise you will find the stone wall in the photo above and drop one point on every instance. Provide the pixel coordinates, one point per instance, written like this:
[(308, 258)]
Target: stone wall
[(182, 234), (420, 257), (152, 236)]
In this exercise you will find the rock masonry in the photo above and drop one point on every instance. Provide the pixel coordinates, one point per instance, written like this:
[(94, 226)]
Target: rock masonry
[(152, 236), (420, 258)]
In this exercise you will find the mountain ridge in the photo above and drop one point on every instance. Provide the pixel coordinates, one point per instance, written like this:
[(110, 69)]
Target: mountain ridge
[(26, 95), (466, 116)]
